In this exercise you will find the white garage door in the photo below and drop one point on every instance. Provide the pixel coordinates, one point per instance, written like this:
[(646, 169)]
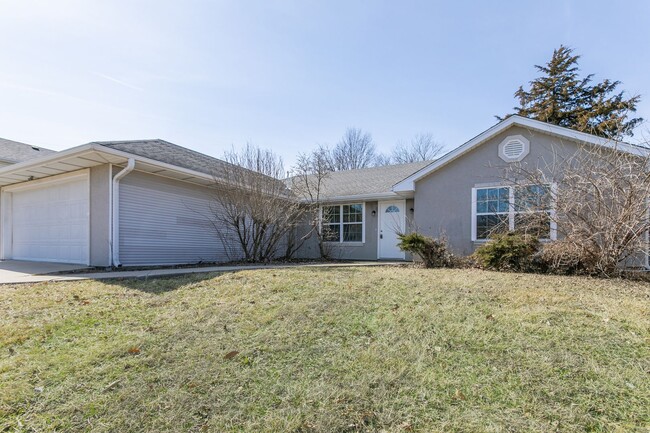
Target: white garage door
[(51, 222)]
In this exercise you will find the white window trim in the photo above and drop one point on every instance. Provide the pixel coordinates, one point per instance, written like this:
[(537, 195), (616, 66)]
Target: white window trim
[(511, 210), (363, 223)]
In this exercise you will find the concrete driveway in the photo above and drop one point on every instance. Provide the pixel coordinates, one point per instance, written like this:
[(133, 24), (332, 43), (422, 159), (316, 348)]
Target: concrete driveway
[(18, 271)]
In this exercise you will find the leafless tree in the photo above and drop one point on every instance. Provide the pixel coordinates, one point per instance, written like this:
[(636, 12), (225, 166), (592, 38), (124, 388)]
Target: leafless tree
[(382, 159), (355, 150), (421, 148), (252, 203), (308, 185), (257, 160), (600, 198)]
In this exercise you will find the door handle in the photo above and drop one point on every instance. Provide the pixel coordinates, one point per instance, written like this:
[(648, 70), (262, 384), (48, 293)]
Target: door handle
[(381, 236)]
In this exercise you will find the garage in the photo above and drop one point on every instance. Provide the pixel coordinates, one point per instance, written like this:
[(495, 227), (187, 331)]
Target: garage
[(48, 220)]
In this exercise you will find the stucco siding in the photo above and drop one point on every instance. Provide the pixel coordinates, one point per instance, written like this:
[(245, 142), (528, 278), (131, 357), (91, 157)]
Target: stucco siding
[(443, 200), (355, 251), (163, 221)]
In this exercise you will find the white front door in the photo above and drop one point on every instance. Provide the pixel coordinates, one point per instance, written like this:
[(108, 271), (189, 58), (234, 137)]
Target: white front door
[(392, 220)]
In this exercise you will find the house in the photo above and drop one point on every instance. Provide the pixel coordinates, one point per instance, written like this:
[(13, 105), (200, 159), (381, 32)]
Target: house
[(148, 202)]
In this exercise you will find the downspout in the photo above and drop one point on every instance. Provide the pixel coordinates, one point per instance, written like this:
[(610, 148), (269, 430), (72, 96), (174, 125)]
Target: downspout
[(115, 241)]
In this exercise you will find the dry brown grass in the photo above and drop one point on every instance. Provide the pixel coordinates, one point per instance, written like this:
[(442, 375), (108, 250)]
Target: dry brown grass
[(327, 350)]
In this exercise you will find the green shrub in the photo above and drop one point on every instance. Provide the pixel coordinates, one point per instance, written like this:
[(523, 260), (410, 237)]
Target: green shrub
[(433, 252), (508, 252)]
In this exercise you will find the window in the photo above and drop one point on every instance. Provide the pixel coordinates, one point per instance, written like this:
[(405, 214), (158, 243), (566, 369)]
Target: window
[(503, 208), (392, 209), (492, 209), (331, 220), (343, 223), (533, 210)]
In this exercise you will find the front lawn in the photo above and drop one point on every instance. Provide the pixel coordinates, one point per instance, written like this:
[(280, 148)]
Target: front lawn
[(327, 350)]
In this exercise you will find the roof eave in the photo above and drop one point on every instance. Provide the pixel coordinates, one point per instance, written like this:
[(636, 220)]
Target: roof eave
[(389, 195), (89, 155)]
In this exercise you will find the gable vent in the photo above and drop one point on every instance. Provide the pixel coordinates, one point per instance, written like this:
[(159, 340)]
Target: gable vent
[(514, 148)]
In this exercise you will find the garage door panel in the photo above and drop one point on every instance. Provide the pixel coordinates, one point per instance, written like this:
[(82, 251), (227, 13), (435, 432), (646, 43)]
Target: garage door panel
[(51, 223)]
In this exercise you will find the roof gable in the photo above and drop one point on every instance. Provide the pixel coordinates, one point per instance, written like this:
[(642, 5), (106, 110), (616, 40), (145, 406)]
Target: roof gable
[(408, 184)]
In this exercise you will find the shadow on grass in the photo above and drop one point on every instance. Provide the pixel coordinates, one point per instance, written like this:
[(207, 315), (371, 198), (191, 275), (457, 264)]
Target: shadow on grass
[(166, 283), (162, 283)]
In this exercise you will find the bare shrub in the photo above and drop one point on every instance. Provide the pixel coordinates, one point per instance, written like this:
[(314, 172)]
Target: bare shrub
[(600, 204), (252, 204), (565, 257), (308, 184)]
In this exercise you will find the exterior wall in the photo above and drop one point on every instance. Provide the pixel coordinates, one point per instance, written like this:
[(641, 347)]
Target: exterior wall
[(100, 210), (443, 199), (164, 221), (410, 224), (352, 251)]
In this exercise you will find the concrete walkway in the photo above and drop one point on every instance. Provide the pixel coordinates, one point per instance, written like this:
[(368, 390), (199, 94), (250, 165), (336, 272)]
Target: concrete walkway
[(8, 277)]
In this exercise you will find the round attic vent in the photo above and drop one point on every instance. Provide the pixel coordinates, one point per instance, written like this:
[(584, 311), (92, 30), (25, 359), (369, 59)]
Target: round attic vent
[(514, 148)]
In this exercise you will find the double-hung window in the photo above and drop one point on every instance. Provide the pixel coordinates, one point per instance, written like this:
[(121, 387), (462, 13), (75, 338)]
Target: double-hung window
[(343, 223), (526, 208), (492, 211), (533, 211)]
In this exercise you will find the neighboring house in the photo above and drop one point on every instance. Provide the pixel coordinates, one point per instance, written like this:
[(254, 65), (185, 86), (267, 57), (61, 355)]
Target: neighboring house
[(12, 152), (149, 202)]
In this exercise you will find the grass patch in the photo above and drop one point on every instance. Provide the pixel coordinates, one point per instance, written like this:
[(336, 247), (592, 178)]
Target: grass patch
[(327, 350)]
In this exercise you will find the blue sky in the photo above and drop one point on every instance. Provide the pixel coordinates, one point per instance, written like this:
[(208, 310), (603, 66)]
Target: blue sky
[(288, 75)]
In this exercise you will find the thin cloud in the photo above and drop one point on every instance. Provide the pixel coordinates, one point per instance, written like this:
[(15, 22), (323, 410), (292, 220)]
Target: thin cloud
[(120, 82), (42, 91)]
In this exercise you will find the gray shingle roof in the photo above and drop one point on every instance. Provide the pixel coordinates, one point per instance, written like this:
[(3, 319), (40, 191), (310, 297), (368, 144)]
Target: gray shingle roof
[(164, 151), (170, 153), (14, 151), (374, 180), (340, 183)]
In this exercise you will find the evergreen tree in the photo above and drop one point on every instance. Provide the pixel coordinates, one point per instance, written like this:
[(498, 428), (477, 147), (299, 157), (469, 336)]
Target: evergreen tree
[(561, 97)]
